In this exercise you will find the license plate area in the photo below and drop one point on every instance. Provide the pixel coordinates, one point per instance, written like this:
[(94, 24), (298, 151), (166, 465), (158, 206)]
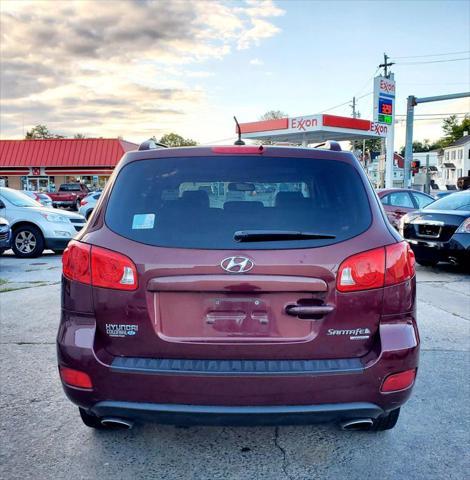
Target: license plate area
[(229, 317)]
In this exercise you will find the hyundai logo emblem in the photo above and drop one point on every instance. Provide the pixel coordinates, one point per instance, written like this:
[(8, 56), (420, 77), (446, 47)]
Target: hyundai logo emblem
[(237, 264)]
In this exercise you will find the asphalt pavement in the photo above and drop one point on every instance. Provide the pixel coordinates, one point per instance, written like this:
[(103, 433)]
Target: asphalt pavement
[(42, 436)]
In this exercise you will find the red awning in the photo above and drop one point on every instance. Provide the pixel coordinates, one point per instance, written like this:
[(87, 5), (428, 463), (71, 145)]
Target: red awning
[(63, 152)]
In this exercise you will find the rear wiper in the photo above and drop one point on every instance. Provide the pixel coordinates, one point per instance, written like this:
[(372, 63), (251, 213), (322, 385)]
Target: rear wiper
[(277, 235)]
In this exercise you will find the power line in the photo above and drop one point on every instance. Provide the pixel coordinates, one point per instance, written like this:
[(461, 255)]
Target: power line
[(433, 61), (434, 114), (433, 55)]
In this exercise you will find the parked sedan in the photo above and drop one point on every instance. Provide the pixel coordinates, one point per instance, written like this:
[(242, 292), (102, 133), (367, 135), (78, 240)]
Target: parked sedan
[(35, 227), (440, 231), (5, 235), (40, 197), (400, 201), (88, 204)]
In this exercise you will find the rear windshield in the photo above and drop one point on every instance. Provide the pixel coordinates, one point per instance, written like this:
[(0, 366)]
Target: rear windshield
[(200, 202), (69, 187), (455, 201)]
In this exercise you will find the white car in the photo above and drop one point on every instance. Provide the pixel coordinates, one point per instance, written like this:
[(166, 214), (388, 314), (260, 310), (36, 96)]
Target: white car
[(88, 203), (35, 227)]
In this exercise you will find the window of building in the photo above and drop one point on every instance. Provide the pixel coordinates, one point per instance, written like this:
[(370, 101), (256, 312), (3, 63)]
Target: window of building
[(452, 155)]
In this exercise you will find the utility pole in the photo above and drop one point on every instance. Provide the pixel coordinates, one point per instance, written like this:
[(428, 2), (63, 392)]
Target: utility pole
[(353, 106), (385, 65)]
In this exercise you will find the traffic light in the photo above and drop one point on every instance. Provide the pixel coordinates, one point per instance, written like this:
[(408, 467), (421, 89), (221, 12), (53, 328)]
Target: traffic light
[(415, 164)]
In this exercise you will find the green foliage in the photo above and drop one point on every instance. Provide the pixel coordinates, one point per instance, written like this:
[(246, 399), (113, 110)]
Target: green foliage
[(175, 140), (273, 115), (372, 145), (40, 132), (425, 146), (453, 129)]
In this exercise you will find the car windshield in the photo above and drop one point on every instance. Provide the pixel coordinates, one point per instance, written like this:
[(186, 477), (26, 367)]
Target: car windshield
[(455, 201), (18, 199), (214, 202)]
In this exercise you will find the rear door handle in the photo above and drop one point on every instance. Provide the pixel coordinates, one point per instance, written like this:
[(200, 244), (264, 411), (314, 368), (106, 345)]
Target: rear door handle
[(309, 310)]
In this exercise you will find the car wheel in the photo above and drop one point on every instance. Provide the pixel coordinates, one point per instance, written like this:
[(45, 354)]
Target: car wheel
[(28, 242), (88, 215), (427, 263), (386, 422)]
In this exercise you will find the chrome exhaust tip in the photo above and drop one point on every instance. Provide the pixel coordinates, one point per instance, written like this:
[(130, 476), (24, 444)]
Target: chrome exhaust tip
[(357, 424), (117, 423)]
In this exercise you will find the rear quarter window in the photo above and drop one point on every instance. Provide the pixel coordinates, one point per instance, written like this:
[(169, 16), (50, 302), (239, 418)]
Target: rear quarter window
[(201, 202)]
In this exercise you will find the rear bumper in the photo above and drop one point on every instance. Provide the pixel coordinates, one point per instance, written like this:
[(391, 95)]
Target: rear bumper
[(212, 392), (457, 247), (188, 415)]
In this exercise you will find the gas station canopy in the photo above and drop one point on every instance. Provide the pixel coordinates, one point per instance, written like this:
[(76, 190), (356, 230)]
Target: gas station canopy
[(313, 129)]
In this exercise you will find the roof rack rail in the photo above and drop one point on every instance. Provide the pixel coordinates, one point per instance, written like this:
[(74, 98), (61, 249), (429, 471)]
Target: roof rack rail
[(151, 145), (330, 145)]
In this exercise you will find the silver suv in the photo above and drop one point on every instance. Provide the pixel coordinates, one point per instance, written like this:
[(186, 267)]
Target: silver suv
[(36, 227)]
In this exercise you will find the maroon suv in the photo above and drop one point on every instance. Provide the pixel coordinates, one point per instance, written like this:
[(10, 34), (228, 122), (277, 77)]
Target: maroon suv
[(238, 285)]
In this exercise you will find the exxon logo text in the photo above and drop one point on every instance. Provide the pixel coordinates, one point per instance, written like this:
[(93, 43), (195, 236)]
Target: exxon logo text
[(303, 123), (387, 87), (378, 128)]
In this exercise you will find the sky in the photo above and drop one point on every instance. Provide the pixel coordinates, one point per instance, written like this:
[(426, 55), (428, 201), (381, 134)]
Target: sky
[(135, 69)]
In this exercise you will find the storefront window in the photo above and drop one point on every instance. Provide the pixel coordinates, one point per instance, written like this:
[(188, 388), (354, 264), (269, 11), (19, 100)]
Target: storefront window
[(36, 184)]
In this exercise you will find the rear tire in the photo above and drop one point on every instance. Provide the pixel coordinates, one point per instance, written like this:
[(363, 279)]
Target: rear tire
[(386, 422), (91, 420), (427, 263), (27, 242)]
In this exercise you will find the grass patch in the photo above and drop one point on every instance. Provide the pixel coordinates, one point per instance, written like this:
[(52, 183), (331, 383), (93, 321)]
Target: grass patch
[(3, 281)]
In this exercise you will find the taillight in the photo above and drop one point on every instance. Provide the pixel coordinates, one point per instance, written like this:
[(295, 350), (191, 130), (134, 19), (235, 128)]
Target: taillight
[(464, 226), (76, 262), (362, 271), (75, 378), (400, 263), (398, 381), (83, 202), (112, 270), (376, 268), (239, 150), (99, 267)]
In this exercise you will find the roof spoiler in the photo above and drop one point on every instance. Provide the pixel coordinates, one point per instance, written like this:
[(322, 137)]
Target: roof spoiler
[(151, 145), (330, 145)]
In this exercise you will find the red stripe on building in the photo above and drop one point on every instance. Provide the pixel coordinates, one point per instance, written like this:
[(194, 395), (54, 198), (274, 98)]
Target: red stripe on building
[(264, 125), (64, 152), (345, 122)]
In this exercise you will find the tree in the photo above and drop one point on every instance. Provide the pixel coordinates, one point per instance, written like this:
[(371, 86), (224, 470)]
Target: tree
[(425, 146), (273, 115), (175, 140), (40, 132), (79, 135), (454, 129)]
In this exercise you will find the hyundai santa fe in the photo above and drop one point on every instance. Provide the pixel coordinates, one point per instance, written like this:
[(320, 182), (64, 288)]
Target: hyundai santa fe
[(238, 285)]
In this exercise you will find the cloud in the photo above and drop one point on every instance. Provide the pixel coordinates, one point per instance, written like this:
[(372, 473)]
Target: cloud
[(256, 61), (128, 59)]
